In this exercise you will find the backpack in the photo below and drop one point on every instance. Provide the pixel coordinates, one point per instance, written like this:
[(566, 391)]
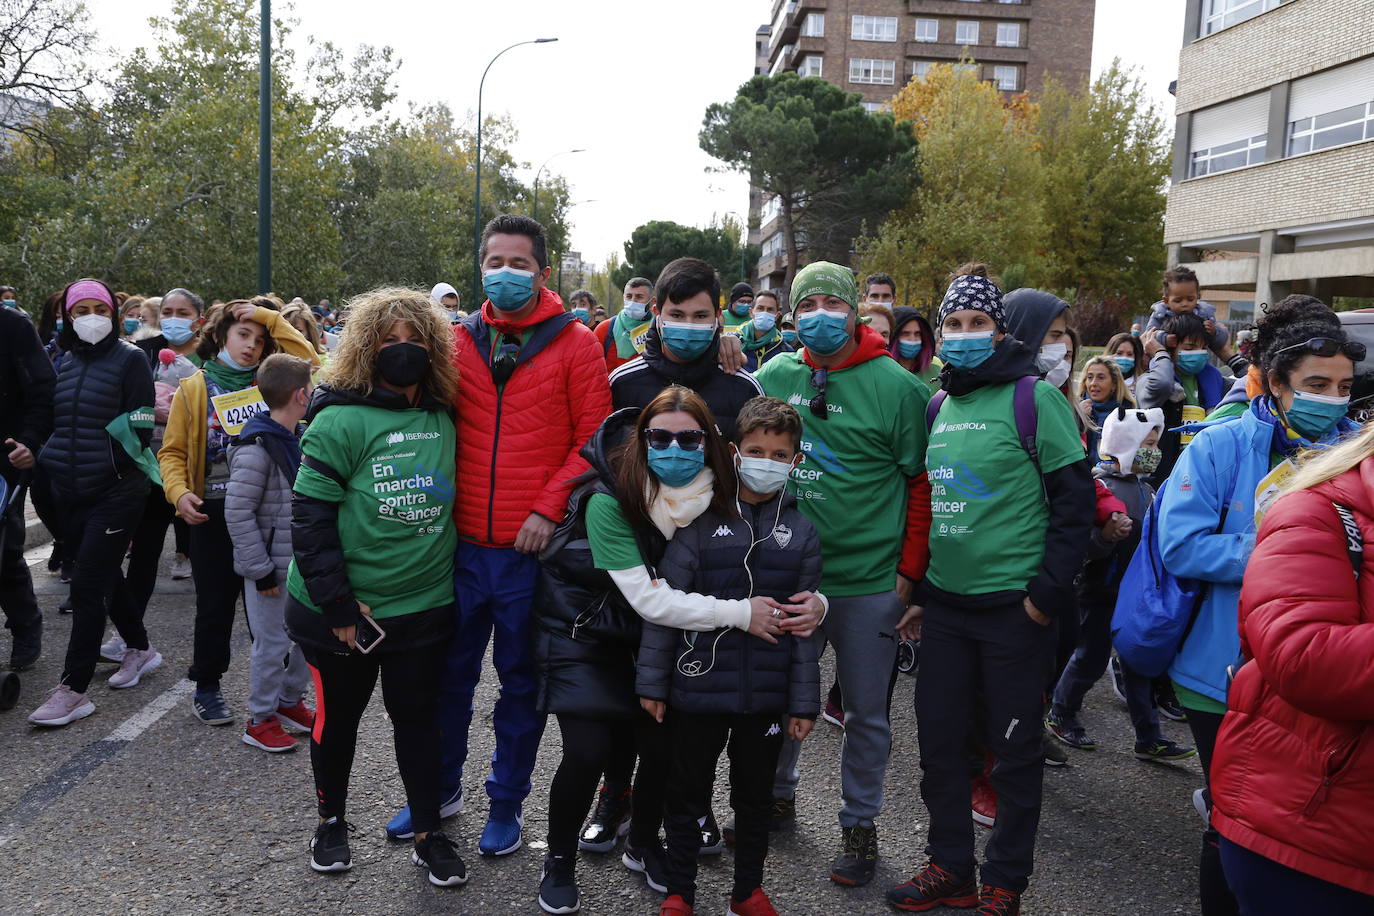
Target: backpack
[(1155, 610), (1027, 421)]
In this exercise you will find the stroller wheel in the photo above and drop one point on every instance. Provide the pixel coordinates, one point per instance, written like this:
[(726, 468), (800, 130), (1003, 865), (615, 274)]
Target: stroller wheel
[(908, 656), (9, 690)]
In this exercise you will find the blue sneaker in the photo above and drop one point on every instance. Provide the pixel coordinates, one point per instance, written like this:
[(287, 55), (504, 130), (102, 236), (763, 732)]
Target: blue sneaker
[(501, 836), (209, 707), (400, 828)]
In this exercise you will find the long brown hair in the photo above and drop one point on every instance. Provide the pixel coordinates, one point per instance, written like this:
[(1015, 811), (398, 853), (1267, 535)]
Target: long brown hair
[(636, 485), (370, 317)]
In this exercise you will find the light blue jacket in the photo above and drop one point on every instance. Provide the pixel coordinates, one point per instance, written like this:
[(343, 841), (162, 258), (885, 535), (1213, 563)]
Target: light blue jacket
[(1191, 547)]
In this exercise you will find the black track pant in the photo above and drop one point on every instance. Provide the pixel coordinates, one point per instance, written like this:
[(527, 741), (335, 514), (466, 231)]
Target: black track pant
[(410, 690), (16, 585), (217, 596), (146, 550)]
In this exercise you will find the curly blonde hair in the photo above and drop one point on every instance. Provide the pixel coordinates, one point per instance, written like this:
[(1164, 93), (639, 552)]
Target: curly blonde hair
[(370, 317)]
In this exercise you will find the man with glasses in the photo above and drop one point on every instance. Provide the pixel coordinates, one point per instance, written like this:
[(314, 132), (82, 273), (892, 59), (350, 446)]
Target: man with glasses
[(863, 484), (531, 391)]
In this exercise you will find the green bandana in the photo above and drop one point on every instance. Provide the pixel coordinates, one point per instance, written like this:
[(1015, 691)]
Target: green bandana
[(123, 429), (749, 336), (227, 378), (825, 279)]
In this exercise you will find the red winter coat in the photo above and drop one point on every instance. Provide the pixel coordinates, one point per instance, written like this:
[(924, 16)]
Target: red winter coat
[(518, 447), (1293, 774)]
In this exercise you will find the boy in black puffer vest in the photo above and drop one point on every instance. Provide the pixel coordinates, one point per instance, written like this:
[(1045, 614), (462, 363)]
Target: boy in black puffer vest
[(727, 685)]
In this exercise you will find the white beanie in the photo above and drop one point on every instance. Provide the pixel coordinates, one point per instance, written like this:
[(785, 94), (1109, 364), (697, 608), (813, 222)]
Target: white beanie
[(440, 291), (1125, 430)]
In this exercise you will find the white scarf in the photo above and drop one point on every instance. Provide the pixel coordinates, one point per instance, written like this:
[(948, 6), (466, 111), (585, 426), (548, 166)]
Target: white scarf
[(678, 507)]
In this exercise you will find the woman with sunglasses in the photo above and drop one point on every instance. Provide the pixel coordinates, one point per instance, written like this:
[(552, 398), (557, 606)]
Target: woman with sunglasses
[(652, 472), (1224, 480)]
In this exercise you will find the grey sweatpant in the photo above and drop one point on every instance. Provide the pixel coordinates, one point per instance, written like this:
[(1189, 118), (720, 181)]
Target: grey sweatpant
[(277, 672), (860, 629)]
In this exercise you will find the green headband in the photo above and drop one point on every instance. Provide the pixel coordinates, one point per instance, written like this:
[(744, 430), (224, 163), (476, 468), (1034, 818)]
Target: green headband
[(825, 279)]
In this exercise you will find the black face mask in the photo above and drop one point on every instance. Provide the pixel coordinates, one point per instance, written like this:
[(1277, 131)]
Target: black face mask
[(402, 364)]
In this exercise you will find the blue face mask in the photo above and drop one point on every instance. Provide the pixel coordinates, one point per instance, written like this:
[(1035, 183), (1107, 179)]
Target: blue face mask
[(967, 351), (1190, 361), (740, 309), (508, 289), (909, 349), (131, 325), (687, 341), (824, 332), (1315, 415), (676, 466), (789, 337), (1126, 364), (580, 314), (764, 322), (228, 360), (177, 330), (9, 303), (637, 311)]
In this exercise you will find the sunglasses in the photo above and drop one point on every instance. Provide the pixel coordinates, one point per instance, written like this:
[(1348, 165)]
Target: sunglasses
[(1329, 346), (503, 363), (688, 439), (819, 377)]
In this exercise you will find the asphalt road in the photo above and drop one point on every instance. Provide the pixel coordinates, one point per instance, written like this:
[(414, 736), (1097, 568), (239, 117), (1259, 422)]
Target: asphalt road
[(142, 809)]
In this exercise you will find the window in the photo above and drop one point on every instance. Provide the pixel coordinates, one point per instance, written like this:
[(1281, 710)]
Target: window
[(772, 246), (873, 107), (1219, 14), (1332, 108), (1008, 1), (966, 68), (867, 70), (1229, 136), (919, 68), (874, 28), (965, 32), (927, 30), (771, 208), (1007, 78), (1009, 34), (810, 65), (813, 26)]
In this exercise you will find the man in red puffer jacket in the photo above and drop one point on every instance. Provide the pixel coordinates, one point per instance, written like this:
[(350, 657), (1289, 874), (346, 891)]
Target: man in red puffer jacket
[(532, 389), (1293, 774)]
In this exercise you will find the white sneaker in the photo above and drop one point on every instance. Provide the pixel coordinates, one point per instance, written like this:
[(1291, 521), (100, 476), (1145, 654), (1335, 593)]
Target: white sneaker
[(113, 650), (181, 567), (136, 663), (63, 705)]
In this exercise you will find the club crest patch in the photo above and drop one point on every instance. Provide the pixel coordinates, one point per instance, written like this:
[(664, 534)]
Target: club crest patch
[(783, 535)]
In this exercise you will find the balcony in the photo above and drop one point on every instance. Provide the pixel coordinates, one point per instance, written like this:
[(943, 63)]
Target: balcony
[(961, 10), (948, 51)]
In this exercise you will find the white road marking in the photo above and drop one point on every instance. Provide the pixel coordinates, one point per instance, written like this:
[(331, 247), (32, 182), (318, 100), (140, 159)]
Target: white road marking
[(142, 720)]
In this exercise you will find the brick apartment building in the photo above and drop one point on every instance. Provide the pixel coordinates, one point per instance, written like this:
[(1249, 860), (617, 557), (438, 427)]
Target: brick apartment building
[(874, 47), (1273, 179)]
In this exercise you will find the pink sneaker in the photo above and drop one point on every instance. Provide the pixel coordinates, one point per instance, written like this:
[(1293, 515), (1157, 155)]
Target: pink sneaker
[(63, 705), (136, 663), (298, 716)]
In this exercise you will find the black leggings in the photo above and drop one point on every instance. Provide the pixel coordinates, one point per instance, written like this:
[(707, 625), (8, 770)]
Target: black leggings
[(410, 689), (589, 745), (1213, 891), (146, 549), (217, 596)]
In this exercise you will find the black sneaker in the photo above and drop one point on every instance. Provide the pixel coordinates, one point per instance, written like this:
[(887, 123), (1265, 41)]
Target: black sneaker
[(932, 886), (1068, 730), (10, 688), (1118, 679), (65, 573), (329, 847), (609, 822), (55, 558), (28, 645), (1167, 702), (1164, 750), (66, 607), (784, 814), (436, 853), (1051, 751), (558, 885), (858, 857), (649, 862), (712, 840)]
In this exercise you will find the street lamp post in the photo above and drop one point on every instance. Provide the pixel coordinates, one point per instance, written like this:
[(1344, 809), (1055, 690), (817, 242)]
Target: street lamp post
[(477, 197), (265, 148), (535, 208)]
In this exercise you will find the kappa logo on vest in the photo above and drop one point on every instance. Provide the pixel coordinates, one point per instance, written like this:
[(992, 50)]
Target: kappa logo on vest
[(783, 535), (723, 532), (773, 729)]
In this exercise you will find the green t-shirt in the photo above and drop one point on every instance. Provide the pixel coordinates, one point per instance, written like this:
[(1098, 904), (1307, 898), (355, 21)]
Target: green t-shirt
[(854, 482), (611, 538), (1191, 699), (730, 323), (1227, 411), (988, 515), (395, 509), (1189, 385)]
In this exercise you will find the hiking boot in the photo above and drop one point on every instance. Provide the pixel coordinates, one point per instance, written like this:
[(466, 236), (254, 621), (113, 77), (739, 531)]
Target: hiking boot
[(436, 853), (501, 836), (329, 847), (756, 904), (609, 822), (984, 798), (136, 663), (27, 646), (558, 885), (997, 901), (1163, 750), (1068, 730), (298, 716), (933, 886), (268, 736), (858, 857), (63, 705), (783, 815), (649, 862), (712, 842), (113, 649), (1166, 701)]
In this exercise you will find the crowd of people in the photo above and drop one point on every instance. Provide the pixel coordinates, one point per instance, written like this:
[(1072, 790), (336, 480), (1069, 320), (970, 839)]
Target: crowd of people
[(658, 522)]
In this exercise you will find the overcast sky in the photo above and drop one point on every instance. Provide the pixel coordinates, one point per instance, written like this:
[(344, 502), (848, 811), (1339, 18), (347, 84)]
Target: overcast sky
[(628, 80)]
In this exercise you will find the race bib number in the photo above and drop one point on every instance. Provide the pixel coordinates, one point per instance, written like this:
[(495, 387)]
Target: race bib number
[(1268, 489), (237, 408), (1191, 414), (640, 335)]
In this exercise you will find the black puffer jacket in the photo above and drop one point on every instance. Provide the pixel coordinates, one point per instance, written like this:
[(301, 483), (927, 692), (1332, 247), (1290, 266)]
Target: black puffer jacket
[(639, 381), (773, 551), (97, 383), (26, 387), (586, 634)]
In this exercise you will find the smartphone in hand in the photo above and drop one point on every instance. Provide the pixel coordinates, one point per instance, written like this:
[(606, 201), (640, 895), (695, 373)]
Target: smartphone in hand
[(368, 634)]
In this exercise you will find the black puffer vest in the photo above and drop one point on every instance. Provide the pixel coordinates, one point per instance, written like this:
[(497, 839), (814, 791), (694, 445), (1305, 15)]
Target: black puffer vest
[(586, 633), (80, 455)]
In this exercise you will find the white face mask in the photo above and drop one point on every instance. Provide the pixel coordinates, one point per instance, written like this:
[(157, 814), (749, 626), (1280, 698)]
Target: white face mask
[(92, 328), (1059, 374), (763, 475), (1050, 356), (636, 310)]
